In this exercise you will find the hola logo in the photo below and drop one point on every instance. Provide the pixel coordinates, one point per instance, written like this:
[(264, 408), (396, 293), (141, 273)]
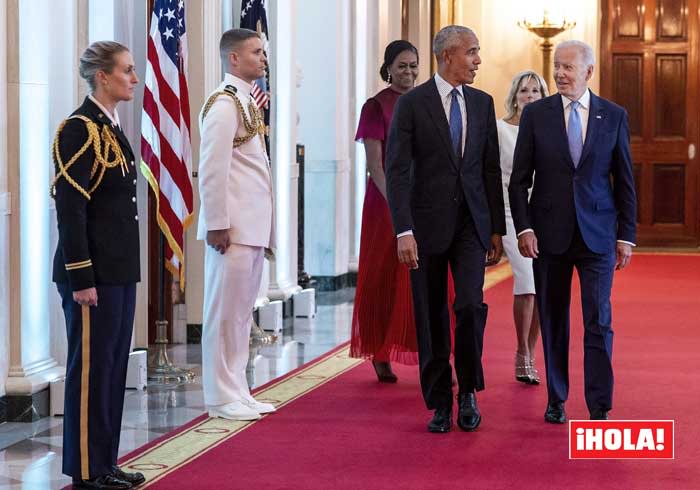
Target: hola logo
[(621, 439)]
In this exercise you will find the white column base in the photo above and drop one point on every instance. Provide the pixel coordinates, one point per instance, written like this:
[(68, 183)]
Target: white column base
[(282, 291), (33, 383)]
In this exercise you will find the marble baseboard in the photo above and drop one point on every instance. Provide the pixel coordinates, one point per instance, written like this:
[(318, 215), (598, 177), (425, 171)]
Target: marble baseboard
[(333, 283), (27, 408)]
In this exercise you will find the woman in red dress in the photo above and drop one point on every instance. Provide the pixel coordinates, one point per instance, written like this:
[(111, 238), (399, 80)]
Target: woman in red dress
[(383, 327)]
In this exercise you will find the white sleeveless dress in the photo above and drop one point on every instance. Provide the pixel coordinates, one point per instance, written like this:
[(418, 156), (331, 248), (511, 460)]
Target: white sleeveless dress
[(524, 281)]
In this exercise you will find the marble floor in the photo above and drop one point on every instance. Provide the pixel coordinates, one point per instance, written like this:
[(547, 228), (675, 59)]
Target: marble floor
[(30, 453)]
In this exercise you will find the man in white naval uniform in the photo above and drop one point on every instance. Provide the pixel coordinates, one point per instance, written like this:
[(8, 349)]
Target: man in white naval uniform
[(236, 220)]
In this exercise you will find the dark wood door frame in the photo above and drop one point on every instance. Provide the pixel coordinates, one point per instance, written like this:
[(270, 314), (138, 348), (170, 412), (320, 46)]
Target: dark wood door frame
[(649, 64)]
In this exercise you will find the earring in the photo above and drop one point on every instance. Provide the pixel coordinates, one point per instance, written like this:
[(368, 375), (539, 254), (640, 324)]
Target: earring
[(389, 79)]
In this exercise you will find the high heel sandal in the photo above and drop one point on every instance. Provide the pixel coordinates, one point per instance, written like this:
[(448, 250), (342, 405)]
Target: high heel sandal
[(532, 371), (522, 368), (384, 372)]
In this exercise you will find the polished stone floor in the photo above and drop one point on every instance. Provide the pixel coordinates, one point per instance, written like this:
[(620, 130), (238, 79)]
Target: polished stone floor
[(30, 453)]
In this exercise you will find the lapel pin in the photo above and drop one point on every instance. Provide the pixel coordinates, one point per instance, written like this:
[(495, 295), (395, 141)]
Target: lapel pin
[(599, 116)]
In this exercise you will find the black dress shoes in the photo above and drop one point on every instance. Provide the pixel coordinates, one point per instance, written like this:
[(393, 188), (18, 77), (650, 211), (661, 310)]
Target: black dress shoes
[(599, 414), (555, 413), (105, 482), (133, 478), (468, 416), (441, 421)]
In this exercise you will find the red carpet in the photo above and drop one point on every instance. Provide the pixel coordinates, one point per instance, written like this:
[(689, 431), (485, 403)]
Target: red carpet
[(357, 434)]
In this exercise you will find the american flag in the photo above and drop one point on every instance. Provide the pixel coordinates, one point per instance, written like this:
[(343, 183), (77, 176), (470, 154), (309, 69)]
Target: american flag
[(254, 17), (166, 153)]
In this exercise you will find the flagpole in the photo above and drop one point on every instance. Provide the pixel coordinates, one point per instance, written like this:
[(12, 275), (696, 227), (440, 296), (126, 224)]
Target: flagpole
[(168, 20), (160, 369)]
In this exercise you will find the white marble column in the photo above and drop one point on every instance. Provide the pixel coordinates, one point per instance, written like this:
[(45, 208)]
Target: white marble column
[(204, 29), (323, 51), (28, 34), (283, 137), (4, 208)]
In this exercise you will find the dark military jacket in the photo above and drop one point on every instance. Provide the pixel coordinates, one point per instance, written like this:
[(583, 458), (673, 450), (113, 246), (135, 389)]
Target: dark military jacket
[(98, 234)]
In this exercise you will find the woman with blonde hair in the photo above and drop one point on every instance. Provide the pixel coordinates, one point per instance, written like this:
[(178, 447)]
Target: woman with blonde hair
[(96, 266), (526, 87)]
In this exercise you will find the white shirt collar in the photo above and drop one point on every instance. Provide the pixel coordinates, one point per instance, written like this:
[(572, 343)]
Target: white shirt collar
[(585, 100), (114, 119), (241, 85), (444, 87)]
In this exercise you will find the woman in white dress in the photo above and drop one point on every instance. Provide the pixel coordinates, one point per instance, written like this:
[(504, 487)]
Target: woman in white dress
[(526, 87)]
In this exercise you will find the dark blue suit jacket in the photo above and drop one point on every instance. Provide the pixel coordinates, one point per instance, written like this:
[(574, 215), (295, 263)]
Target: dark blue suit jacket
[(598, 194), (425, 177)]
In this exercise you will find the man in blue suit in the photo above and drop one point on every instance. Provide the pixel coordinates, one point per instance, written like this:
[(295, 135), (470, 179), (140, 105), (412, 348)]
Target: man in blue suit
[(582, 214)]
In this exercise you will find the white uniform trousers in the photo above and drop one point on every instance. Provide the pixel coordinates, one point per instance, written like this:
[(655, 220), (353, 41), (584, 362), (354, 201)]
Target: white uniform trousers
[(231, 284)]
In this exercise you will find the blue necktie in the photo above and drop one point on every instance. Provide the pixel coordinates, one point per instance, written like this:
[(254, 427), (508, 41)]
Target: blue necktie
[(575, 134), (456, 123)]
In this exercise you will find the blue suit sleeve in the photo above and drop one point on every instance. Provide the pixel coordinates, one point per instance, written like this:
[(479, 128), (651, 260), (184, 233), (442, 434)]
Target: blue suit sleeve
[(523, 171), (623, 185)]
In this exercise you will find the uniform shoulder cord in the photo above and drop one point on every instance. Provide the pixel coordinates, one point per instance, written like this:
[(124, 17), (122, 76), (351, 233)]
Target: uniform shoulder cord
[(103, 143), (254, 125)]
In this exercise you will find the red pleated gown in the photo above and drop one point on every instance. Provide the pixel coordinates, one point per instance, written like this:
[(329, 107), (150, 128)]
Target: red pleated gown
[(383, 325)]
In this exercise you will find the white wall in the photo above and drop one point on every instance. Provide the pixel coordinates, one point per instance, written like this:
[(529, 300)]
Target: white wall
[(4, 204), (507, 49)]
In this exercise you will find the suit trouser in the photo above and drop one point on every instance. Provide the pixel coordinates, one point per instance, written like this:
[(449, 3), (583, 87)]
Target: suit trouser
[(99, 339), (231, 284), (553, 274), (466, 257)]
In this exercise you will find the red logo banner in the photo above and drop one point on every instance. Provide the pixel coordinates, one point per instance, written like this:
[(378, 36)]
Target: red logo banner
[(621, 439)]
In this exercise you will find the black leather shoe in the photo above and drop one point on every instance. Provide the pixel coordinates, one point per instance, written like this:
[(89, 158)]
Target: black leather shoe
[(555, 413), (106, 482), (599, 414), (133, 478), (468, 417), (441, 421)]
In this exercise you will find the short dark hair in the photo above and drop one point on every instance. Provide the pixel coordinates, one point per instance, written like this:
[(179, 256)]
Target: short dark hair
[(233, 38), (393, 49)]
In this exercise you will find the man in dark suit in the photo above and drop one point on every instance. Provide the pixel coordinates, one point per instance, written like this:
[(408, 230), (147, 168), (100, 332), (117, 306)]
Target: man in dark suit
[(582, 214), (445, 195)]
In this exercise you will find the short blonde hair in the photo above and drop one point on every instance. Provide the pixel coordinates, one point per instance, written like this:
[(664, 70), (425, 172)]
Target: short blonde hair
[(524, 76), (99, 56)]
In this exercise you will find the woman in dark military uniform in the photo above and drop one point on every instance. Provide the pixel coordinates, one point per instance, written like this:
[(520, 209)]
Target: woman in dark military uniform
[(96, 266)]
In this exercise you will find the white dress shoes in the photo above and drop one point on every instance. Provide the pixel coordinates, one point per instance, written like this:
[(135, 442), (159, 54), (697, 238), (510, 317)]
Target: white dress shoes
[(234, 411), (259, 407)]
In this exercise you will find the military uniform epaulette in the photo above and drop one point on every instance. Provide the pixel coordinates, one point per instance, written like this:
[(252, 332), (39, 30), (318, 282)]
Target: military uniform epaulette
[(255, 125), (102, 142)]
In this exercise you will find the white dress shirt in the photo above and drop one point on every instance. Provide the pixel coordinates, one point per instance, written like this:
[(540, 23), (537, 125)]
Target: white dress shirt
[(583, 109), (445, 90), (113, 118)]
